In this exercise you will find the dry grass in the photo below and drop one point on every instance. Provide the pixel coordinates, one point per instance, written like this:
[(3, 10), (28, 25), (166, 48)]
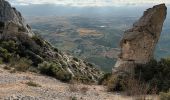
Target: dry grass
[(134, 87), (139, 90)]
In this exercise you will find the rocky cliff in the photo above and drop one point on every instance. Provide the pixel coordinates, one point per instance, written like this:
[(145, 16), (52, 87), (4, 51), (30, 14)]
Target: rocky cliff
[(138, 43), (18, 41), (11, 19)]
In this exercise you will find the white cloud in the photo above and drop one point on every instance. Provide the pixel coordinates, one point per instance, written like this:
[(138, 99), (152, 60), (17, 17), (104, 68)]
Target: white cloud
[(90, 2)]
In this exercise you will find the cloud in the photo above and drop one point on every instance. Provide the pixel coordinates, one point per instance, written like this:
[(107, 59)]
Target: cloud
[(89, 2)]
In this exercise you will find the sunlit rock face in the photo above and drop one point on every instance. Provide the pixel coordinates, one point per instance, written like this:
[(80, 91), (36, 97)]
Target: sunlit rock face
[(139, 42)]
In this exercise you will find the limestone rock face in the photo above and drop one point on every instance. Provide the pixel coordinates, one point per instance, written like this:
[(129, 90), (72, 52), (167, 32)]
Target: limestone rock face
[(12, 20), (138, 43)]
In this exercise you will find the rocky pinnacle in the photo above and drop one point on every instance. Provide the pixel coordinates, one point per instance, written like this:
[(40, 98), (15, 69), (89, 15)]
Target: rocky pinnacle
[(138, 43)]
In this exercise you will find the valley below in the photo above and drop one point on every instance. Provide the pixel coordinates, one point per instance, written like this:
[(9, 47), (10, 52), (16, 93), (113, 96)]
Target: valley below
[(94, 37)]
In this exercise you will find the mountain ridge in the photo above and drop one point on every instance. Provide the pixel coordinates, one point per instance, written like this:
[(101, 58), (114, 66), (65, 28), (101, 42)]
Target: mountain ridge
[(18, 41)]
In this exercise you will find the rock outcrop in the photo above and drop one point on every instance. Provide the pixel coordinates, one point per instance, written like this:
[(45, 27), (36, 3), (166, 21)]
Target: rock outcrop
[(17, 40), (12, 20), (138, 43)]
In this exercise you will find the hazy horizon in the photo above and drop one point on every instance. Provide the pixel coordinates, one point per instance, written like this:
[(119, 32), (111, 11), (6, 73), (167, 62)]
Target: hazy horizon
[(84, 3)]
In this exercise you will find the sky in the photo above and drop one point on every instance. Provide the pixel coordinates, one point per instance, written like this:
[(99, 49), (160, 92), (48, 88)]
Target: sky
[(89, 2)]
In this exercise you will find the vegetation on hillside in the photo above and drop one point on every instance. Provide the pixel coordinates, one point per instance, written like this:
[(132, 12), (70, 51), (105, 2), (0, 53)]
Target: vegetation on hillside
[(24, 53), (149, 78), (56, 70)]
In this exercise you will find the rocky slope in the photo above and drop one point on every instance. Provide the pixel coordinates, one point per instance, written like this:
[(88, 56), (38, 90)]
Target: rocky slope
[(18, 41), (138, 43), (14, 86)]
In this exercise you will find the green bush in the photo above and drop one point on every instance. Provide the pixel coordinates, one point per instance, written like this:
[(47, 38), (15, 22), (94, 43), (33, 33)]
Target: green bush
[(21, 64), (155, 73), (10, 46), (5, 55), (82, 79), (33, 84), (54, 70), (73, 98), (7, 50), (165, 96), (104, 79), (48, 68), (116, 83)]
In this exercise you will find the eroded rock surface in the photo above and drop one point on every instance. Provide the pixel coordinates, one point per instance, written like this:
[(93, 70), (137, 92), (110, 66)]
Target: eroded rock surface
[(138, 43)]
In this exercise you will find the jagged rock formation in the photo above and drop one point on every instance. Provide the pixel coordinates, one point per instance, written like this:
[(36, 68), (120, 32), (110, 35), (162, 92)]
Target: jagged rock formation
[(17, 39), (138, 43), (11, 19)]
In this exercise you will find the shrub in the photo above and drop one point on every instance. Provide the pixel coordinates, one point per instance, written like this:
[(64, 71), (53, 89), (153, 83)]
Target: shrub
[(136, 87), (129, 85), (10, 46), (165, 96), (33, 84), (73, 98), (7, 50), (116, 83), (155, 73), (5, 55), (104, 79), (54, 70), (21, 64), (48, 68), (33, 69), (63, 76)]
